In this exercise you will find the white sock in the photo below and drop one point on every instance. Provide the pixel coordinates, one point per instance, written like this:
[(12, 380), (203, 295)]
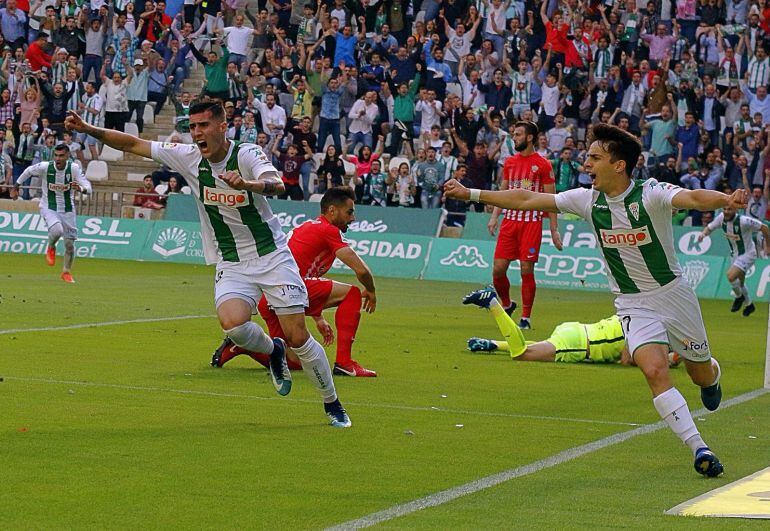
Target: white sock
[(251, 337), (715, 364), (737, 289), (746, 295), (316, 367), (672, 408)]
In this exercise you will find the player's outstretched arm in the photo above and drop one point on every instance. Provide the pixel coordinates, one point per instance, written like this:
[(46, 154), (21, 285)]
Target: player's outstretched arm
[(511, 199), (707, 200), (114, 139), (364, 275)]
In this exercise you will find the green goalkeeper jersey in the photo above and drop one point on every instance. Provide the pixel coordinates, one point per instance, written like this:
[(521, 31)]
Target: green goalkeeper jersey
[(600, 342)]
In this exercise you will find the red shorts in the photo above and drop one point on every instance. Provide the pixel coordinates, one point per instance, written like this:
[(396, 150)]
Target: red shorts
[(318, 291), (519, 240)]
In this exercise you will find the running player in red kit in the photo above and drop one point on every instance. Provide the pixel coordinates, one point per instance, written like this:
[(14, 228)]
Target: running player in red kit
[(315, 244), (521, 231)]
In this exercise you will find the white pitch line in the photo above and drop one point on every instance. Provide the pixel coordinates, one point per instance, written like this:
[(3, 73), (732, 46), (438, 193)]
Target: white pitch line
[(484, 483), (307, 401), (103, 323)]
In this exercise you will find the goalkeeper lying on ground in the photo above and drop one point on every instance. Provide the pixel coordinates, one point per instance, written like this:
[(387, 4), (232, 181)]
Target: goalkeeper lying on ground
[(601, 342)]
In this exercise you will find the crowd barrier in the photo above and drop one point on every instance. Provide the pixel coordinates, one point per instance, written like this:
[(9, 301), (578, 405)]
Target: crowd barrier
[(391, 255)]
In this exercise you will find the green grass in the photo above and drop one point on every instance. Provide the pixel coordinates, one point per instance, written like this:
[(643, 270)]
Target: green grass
[(128, 426)]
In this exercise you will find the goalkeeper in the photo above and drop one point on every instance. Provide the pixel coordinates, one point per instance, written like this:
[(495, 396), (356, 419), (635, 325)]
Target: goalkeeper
[(572, 342)]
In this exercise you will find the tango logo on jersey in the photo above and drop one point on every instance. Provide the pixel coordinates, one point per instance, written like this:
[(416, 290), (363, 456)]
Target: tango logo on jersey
[(465, 256), (694, 271), (221, 197), (170, 242), (54, 187), (617, 238)]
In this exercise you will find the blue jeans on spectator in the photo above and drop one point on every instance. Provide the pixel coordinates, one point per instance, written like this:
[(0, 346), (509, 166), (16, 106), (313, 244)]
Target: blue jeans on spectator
[(304, 172), (431, 8), (180, 74), (18, 169), (238, 59), (328, 127), (428, 200), (363, 138), (92, 62)]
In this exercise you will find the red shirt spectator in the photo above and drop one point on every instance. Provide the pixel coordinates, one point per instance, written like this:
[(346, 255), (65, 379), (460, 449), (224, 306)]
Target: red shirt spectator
[(36, 56), (156, 22)]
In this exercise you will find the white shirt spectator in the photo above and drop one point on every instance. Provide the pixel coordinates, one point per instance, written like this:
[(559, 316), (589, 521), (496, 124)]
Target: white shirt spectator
[(472, 96), (274, 116), (550, 99), (557, 137), (238, 39), (362, 123), (115, 96), (431, 113)]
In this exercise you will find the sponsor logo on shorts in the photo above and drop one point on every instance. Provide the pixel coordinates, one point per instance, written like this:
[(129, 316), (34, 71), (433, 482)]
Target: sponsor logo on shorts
[(218, 277), (617, 238), (695, 346), (54, 187), (293, 292), (465, 256), (221, 197)]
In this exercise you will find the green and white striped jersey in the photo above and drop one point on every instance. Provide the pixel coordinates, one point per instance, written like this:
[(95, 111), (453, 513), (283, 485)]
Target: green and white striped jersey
[(634, 232), (56, 185), (236, 225), (739, 232)]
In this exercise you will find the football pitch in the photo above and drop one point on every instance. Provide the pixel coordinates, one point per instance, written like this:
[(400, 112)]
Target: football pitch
[(125, 425)]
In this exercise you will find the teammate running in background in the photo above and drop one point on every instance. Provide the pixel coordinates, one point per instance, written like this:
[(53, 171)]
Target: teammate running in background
[(573, 342), (521, 230), (242, 236), (59, 178), (315, 244), (632, 223), (739, 230)]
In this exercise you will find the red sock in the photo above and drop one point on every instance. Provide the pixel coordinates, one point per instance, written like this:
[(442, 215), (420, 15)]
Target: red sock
[(346, 319), (528, 289), (503, 289)]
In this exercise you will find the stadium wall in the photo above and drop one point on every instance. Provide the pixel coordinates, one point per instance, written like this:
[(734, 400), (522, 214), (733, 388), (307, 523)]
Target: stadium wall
[(577, 267)]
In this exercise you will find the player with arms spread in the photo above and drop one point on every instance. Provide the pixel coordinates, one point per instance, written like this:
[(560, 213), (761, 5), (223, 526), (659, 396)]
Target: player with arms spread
[(739, 230), (522, 230), (242, 236), (59, 178), (315, 245), (656, 306)]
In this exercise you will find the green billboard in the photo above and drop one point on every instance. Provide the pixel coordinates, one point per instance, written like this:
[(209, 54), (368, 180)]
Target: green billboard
[(369, 219), (27, 233)]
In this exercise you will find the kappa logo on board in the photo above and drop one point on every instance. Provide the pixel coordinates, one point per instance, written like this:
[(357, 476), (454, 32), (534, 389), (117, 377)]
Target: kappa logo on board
[(465, 256)]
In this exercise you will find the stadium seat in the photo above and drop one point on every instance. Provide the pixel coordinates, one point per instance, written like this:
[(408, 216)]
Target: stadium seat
[(350, 168), (135, 177), (131, 128), (187, 190), (161, 188), (97, 171), (149, 115), (110, 154), (454, 88), (315, 198), (395, 162)]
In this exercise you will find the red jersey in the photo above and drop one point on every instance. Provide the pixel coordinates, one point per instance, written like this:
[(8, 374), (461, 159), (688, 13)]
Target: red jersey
[(314, 245), (530, 172)]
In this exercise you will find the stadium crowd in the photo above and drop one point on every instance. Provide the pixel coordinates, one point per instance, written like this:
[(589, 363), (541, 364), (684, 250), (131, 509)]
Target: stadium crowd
[(395, 97)]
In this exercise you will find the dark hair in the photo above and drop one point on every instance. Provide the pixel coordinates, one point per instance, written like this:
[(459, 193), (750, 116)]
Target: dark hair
[(336, 196), (61, 147), (214, 107), (530, 128), (620, 144)]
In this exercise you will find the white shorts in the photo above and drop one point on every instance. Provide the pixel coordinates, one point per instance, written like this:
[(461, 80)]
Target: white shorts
[(67, 220), (745, 261), (669, 315), (275, 275)]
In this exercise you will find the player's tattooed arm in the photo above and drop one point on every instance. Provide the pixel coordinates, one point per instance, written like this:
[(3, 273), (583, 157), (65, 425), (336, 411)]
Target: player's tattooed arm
[(269, 183)]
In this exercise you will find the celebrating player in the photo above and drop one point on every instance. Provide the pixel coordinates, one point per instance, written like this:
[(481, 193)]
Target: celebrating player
[(315, 244), (58, 180), (242, 236), (573, 342), (739, 230), (522, 230), (632, 223)]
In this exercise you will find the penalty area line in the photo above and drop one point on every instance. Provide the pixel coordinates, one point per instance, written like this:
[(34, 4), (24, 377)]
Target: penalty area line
[(102, 323), (397, 407), (448, 495)]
